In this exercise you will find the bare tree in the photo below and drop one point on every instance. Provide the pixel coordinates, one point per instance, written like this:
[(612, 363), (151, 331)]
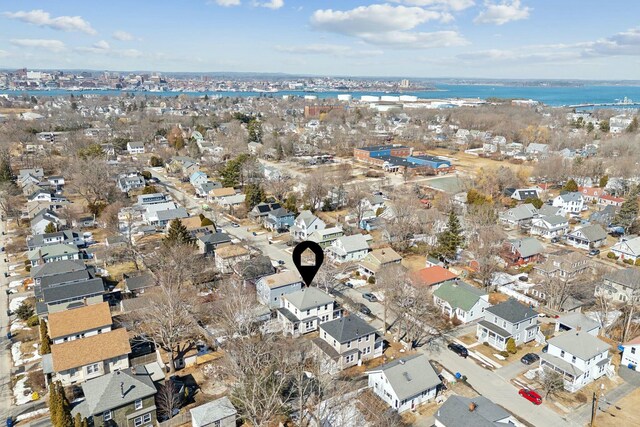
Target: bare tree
[(485, 244), (11, 200), (552, 382), (168, 399), (92, 179), (390, 281), (279, 186), (261, 370)]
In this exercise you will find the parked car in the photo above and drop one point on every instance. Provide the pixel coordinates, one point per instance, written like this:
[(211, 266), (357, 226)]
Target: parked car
[(458, 349), (555, 239), (369, 297), (235, 225), (530, 358), (9, 422), (364, 309), (545, 348), (530, 395), (254, 233), (280, 262), (594, 252)]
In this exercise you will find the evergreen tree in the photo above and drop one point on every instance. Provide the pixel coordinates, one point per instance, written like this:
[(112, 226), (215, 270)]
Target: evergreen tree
[(64, 415), (178, 233), (571, 186), (450, 240), (54, 404), (633, 126), (45, 346), (291, 203), (628, 212), (604, 126), (204, 221), (537, 203), (254, 194), (6, 174), (50, 228), (511, 346), (604, 180)]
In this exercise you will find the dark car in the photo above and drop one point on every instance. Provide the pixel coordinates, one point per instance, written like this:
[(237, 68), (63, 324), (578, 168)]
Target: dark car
[(545, 348), (369, 297), (531, 395), (555, 239), (530, 358), (594, 252), (458, 349), (364, 309)]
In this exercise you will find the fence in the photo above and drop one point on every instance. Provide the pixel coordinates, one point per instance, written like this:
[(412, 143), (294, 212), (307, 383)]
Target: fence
[(517, 295), (179, 420)]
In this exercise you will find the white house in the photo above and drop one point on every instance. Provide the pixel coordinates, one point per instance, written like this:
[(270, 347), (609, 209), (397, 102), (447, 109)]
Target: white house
[(619, 123), (587, 237), (305, 224), (216, 413), (509, 319), (627, 249), (406, 383), (578, 356), (570, 203), (461, 300), (522, 194), (631, 354), (349, 248), (303, 311), (135, 147), (549, 226)]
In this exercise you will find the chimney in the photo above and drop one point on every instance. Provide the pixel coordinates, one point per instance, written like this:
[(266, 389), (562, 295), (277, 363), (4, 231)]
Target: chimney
[(578, 329), (472, 406), (122, 389)]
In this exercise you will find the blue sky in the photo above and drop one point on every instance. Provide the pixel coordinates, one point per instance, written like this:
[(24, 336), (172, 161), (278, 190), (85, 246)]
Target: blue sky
[(587, 39)]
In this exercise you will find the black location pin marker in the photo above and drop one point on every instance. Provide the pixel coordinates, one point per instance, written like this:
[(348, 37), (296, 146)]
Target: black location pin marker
[(308, 272)]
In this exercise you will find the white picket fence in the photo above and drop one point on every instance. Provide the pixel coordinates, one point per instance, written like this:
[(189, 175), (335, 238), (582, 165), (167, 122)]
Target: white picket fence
[(517, 295)]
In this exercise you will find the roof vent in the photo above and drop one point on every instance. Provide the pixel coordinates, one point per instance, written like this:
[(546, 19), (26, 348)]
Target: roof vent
[(407, 376), (121, 389)]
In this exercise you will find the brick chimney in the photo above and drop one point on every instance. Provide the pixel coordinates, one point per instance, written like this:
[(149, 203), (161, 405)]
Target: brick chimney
[(472, 406)]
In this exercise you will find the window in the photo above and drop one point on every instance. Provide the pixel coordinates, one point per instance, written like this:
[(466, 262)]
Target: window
[(504, 324), (93, 368), (633, 350), (349, 344), (561, 353), (573, 359), (359, 339), (216, 423), (106, 415), (143, 419), (138, 404)]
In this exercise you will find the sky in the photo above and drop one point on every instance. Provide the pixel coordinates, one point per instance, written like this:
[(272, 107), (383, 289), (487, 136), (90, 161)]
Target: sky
[(514, 39)]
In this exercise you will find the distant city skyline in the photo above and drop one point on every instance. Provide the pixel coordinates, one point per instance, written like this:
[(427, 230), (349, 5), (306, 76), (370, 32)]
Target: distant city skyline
[(493, 39)]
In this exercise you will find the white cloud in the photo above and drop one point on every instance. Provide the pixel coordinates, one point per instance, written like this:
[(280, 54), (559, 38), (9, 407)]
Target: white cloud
[(102, 44), (43, 19), (384, 24), (52, 45), (374, 18), (3, 53), (418, 40), (271, 4), (501, 13), (328, 49), (225, 3), (123, 36), (455, 5), (624, 43)]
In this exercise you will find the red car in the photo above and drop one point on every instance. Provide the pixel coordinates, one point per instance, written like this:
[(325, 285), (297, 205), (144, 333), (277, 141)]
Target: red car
[(531, 396)]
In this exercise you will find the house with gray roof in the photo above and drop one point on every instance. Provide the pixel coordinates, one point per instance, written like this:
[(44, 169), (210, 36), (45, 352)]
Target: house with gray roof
[(460, 300), (53, 253), (303, 311), (42, 219), (349, 248), (122, 398), (461, 411), (63, 296), (522, 251), (587, 237), (577, 322), (139, 283), (55, 268), (569, 203), (405, 383), (549, 226), (509, 319), (627, 249), (348, 341), (327, 236), (271, 288), (208, 242), (547, 210), (519, 215), (578, 356), (305, 224), (64, 236), (620, 286), (216, 413)]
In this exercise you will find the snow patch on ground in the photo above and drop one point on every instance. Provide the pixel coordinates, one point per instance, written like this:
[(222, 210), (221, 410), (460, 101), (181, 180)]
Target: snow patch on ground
[(19, 325), (21, 392), (15, 303), (15, 283), (18, 357), (32, 414)]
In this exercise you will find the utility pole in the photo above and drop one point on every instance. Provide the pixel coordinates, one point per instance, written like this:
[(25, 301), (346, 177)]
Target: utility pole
[(594, 409)]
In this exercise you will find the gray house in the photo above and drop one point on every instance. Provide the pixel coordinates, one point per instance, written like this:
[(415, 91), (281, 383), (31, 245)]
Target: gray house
[(347, 341), (217, 413), (509, 319), (587, 237), (124, 398), (460, 411), (270, 288)]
